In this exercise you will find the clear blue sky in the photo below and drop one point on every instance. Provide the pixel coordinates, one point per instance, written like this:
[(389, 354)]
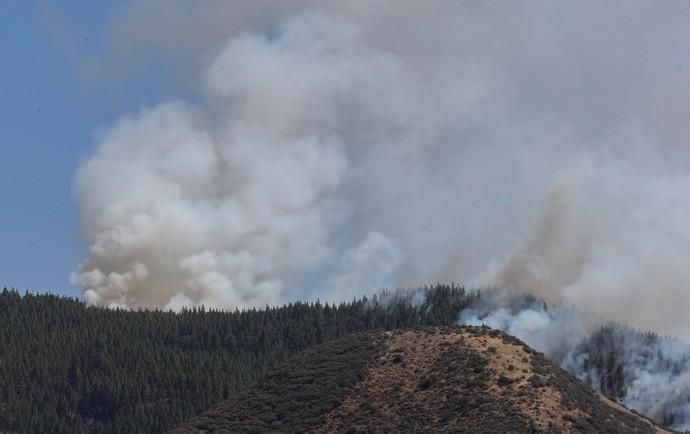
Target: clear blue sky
[(48, 120)]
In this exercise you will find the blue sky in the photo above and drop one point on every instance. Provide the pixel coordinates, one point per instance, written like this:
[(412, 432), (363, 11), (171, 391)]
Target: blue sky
[(49, 120)]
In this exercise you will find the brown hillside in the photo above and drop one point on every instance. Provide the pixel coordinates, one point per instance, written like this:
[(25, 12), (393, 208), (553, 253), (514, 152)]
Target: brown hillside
[(461, 379)]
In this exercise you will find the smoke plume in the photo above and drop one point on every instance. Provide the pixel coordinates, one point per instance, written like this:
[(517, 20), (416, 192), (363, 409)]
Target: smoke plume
[(643, 371), (334, 149)]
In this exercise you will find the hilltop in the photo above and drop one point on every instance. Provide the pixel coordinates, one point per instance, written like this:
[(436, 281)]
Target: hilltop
[(433, 379)]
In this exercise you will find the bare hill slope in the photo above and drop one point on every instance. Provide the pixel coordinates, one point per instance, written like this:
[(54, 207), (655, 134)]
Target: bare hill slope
[(460, 379)]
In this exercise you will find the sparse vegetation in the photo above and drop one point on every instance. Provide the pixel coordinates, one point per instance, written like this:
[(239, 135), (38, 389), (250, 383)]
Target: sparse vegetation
[(448, 382)]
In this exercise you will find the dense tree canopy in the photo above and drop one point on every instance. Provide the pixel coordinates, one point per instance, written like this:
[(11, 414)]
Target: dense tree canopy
[(66, 367)]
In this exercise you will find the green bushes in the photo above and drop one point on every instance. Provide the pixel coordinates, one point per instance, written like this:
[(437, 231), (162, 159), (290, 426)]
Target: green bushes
[(297, 395)]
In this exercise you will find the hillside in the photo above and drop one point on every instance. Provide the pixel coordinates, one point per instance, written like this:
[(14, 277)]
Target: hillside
[(68, 368), (469, 379)]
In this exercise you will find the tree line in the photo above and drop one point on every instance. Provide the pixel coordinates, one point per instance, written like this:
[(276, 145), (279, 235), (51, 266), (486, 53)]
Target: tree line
[(66, 367)]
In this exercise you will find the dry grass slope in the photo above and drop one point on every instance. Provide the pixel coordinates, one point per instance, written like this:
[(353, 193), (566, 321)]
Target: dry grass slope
[(459, 379)]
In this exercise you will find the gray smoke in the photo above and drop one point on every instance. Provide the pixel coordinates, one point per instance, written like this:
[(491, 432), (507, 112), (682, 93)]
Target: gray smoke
[(645, 372), (337, 149)]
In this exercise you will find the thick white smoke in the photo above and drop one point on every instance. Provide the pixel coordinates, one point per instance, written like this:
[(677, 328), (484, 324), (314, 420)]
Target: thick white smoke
[(555, 331), (645, 372), (335, 149), (611, 239)]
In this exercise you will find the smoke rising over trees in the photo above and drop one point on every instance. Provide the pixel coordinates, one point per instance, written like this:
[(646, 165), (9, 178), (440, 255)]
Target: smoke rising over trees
[(69, 368), (530, 147)]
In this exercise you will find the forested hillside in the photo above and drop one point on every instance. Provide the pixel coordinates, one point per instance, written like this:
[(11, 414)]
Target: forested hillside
[(65, 367)]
